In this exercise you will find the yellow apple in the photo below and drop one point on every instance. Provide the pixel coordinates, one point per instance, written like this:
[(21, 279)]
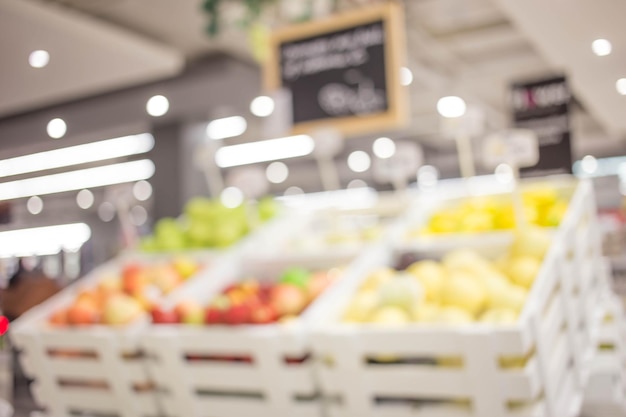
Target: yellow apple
[(390, 316), (453, 315), (532, 241), (522, 270), (431, 275), (361, 306), (511, 297), (377, 278), (426, 313), (462, 291), (499, 316)]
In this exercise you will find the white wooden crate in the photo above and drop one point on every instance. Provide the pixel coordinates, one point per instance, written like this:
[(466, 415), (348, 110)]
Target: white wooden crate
[(605, 390), (549, 385), (94, 369), (274, 380)]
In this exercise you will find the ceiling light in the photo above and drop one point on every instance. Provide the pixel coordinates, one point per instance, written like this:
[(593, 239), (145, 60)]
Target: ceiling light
[(620, 85), (39, 58), (451, 107), (157, 106), (228, 127), (504, 174), (589, 164), (262, 106), (263, 151), (359, 161), (293, 191), (138, 216), (231, 197), (56, 128), (384, 148), (41, 241), (406, 76), (77, 180), (277, 172), (142, 190), (34, 205), (84, 199), (106, 211), (427, 176), (601, 47), (356, 184), (75, 155)]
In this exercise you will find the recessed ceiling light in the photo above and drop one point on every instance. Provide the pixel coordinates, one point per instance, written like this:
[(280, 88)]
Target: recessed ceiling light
[(34, 205), (406, 76), (359, 161), (277, 172), (620, 85), (601, 47), (84, 199), (142, 190), (262, 106), (384, 148), (157, 106), (451, 107), (231, 197), (56, 128), (39, 58)]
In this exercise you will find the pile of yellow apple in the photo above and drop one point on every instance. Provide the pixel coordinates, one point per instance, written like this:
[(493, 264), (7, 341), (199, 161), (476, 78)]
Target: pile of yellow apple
[(543, 206), (464, 287)]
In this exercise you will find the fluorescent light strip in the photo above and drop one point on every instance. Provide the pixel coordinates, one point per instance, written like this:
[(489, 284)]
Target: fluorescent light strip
[(81, 154), (40, 241), (263, 151), (77, 180), (228, 127)]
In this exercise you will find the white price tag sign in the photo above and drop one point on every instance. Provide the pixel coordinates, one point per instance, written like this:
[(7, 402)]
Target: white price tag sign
[(402, 165), (517, 147), (328, 142)]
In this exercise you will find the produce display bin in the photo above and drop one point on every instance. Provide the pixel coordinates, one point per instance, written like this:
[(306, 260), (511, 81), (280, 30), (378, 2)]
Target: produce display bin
[(549, 384), (94, 369), (246, 370), (336, 224), (605, 390)]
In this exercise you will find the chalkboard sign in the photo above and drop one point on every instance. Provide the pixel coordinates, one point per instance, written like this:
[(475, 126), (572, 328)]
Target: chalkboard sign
[(343, 71), (543, 107)]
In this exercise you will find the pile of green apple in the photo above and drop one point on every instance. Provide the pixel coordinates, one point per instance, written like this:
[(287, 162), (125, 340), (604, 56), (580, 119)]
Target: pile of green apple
[(252, 301), (207, 223), (463, 287)]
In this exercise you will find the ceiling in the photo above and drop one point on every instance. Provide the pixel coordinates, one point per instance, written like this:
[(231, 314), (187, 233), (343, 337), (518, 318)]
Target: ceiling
[(471, 48)]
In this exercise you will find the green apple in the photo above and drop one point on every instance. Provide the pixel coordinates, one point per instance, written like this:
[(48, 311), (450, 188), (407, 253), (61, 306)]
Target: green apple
[(296, 276)]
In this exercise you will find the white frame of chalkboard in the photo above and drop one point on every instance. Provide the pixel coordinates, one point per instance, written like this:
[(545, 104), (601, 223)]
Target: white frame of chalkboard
[(392, 14)]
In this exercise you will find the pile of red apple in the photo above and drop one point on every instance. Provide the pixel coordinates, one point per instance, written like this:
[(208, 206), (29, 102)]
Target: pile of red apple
[(252, 301), (122, 299)]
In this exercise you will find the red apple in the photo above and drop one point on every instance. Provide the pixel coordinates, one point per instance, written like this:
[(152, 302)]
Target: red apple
[(214, 315), (59, 318), (288, 299), (134, 279), (190, 312), (164, 316), (83, 313), (317, 284), (237, 314), (264, 314), (165, 277)]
